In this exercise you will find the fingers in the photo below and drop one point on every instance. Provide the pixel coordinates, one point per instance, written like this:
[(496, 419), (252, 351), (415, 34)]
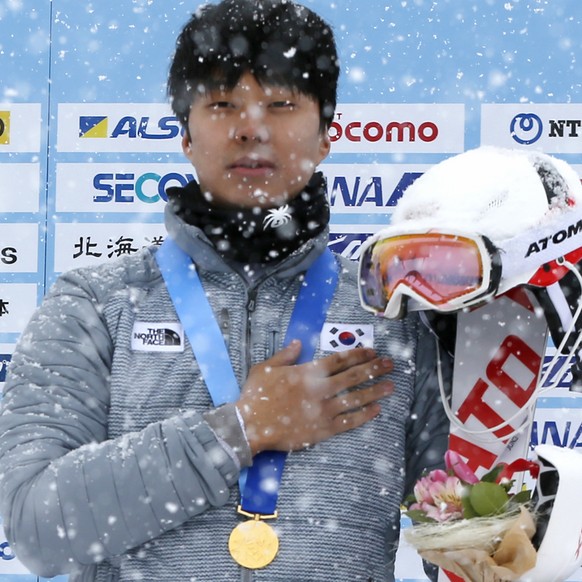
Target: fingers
[(286, 356), (358, 407), (356, 399), (352, 366), (356, 375), (340, 361), (362, 372), (354, 419)]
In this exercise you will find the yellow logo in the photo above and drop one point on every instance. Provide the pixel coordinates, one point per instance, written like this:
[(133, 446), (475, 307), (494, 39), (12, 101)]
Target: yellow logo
[(93, 126), (4, 127)]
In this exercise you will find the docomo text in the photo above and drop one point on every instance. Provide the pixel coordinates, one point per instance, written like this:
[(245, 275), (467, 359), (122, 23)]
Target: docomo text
[(392, 131)]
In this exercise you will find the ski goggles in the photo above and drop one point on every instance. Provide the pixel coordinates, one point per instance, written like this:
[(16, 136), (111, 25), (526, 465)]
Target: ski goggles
[(444, 270)]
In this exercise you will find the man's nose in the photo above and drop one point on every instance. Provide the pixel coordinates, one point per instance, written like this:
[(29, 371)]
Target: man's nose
[(252, 125)]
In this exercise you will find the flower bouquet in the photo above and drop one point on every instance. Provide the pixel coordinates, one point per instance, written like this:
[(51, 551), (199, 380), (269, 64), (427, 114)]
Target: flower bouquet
[(474, 528)]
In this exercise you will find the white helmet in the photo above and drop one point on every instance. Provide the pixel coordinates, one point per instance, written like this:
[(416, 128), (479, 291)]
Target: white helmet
[(475, 226), (558, 535)]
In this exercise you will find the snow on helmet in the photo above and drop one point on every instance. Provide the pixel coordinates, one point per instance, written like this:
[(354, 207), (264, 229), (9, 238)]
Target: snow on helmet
[(497, 192), (558, 536), (508, 217)]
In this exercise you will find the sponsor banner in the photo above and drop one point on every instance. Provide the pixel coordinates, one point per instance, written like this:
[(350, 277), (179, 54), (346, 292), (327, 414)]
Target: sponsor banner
[(84, 244), (18, 248), (550, 127), (558, 413), (20, 125), (556, 424), (117, 187), (81, 244), (357, 128), (556, 375), (368, 188), (103, 187), (17, 303), (19, 187), (117, 127), (398, 128)]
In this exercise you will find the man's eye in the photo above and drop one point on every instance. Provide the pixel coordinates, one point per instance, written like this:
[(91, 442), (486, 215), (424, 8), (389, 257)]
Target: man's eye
[(285, 103), (220, 105)]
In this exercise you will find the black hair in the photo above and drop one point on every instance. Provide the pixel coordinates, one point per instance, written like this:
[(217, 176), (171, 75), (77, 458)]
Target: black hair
[(279, 42)]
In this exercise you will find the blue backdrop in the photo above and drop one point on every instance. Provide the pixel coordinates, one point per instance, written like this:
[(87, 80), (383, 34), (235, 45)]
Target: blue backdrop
[(88, 143)]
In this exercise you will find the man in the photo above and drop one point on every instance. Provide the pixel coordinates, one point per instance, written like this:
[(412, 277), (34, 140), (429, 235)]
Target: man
[(124, 429)]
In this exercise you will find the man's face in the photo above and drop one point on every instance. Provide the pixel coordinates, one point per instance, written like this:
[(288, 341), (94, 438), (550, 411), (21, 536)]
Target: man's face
[(254, 146)]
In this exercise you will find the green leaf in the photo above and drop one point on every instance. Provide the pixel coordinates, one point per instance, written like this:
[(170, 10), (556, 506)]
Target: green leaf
[(488, 498), (468, 510), (521, 497), (419, 516), (491, 477)]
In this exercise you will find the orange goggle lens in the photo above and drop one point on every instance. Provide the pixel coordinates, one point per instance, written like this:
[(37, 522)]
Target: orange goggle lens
[(439, 268)]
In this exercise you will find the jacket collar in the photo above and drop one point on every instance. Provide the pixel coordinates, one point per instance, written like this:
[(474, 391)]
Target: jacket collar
[(194, 242)]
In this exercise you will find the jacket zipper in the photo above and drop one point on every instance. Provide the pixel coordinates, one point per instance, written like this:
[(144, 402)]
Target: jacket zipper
[(247, 575), (273, 341), (224, 324), (251, 304)]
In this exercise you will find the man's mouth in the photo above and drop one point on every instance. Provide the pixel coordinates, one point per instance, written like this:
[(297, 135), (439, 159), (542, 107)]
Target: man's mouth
[(252, 164), (252, 167)]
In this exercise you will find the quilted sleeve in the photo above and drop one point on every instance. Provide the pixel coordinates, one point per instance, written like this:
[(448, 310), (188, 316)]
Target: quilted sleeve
[(68, 494)]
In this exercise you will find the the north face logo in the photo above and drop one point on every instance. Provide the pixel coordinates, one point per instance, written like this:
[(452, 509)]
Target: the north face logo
[(161, 337), (158, 337)]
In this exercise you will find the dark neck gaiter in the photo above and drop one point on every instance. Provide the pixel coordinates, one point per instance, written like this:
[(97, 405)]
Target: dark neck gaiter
[(255, 235)]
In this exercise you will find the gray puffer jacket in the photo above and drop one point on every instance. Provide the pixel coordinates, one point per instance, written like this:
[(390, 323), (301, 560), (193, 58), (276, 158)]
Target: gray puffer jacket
[(115, 467)]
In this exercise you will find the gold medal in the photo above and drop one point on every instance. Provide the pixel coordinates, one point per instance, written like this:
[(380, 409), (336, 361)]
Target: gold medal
[(253, 544)]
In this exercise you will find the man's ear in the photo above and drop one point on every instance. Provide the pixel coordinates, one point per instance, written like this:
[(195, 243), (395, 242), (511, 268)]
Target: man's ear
[(186, 146), (324, 145)]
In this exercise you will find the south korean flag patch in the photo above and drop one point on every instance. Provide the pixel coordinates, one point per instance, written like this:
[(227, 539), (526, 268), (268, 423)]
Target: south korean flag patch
[(340, 337)]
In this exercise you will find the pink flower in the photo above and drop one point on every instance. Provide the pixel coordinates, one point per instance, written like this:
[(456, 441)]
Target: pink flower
[(457, 493), (439, 496), (425, 486), (455, 463)]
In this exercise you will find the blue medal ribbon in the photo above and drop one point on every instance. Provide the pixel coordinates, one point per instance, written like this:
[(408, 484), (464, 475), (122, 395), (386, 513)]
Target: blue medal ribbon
[(259, 484)]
